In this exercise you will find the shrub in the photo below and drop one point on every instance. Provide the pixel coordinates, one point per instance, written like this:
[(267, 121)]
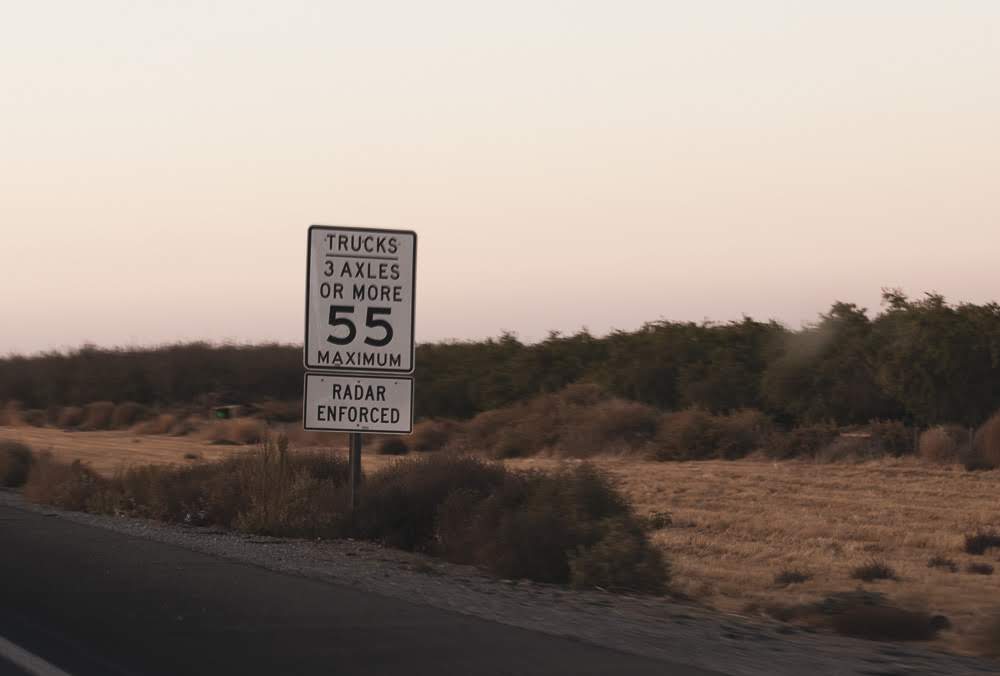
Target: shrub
[(97, 415), (974, 463), (34, 417), (431, 435), (10, 414), (513, 442), (310, 498), (864, 614), (608, 425), (744, 431), (942, 562), (583, 394), (691, 434), (185, 426), (399, 505), (245, 431), (979, 569), (867, 615), (694, 434), (266, 490), (531, 535), (621, 559), (876, 440), (67, 486), (806, 440), (986, 444), (296, 504), (485, 427), (273, 411), (322, 466), (891, 437), (874, 569), (515, 431), (15, 462), (127, 414), (839, 602), (52, 414), (169, 423), (885, 623), (847, 448), (159, 424), (570, 527), (977, 543), (392, 446), (943, 444), (792, 576), (578, 422), (70, 417), (985, 640)]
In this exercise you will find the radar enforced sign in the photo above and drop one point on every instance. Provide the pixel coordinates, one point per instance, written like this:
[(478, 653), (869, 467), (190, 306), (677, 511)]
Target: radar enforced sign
[(359, 299), (346, 403)]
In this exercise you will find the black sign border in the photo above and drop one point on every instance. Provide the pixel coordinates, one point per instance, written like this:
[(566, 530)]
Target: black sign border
[(413, 303), (341, 374)]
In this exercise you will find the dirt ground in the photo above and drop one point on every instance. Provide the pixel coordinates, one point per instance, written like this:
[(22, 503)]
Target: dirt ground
[(734, 525)]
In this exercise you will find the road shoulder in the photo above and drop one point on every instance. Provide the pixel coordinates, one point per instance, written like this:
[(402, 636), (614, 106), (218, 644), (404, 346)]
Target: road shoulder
[(650, 627)]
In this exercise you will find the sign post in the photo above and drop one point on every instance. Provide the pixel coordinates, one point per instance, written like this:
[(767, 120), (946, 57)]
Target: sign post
[(359, 349), (354, 439)]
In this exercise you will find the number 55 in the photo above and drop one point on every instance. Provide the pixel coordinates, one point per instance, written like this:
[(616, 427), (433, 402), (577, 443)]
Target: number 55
[(370, 322)]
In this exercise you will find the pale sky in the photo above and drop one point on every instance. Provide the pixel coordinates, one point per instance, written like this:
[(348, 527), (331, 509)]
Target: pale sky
[(565, 164)]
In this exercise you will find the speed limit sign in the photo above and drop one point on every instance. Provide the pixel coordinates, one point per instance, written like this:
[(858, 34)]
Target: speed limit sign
[(359, 299)]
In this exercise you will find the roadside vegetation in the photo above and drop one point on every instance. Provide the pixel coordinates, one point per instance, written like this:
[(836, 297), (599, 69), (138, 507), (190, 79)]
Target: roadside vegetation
[(922, 377), (582, 420), (570, 526), (924, 362), (15, 462), (745, 537), (884, 410)]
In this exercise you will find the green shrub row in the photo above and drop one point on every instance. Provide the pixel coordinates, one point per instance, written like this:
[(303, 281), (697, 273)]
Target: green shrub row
[(925, 362)]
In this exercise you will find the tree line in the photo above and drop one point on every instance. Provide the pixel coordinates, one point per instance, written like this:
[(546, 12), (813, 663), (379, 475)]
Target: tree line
[(924, 361)]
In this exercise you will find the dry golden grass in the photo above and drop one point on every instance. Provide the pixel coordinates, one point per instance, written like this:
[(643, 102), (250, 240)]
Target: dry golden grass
[(738, 524), (107, 452)]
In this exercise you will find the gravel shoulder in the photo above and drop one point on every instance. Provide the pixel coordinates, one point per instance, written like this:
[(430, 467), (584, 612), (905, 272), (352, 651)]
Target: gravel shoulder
[(652, 627)]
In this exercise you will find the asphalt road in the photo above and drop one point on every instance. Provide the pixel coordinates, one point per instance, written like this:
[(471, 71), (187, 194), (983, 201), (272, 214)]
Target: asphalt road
[(95, 602)]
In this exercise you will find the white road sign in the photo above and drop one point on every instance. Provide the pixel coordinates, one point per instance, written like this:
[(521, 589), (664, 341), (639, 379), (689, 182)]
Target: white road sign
[(359, 299), (361, 403)]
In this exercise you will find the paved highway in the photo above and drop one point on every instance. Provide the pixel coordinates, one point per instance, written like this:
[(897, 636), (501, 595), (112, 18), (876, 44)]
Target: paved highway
[(89, 601)]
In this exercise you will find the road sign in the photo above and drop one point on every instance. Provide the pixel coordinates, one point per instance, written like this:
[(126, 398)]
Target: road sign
[(358, 403), (360, 286)]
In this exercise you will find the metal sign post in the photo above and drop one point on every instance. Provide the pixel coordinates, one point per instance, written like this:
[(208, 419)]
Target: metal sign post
[(359, 347), (355, 468)]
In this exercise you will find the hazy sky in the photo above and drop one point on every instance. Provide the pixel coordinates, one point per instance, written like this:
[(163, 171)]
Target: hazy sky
[(566, 164)]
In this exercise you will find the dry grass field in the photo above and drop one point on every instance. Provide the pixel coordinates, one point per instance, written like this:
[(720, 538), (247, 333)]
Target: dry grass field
[(107, 452), (736, 525)]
